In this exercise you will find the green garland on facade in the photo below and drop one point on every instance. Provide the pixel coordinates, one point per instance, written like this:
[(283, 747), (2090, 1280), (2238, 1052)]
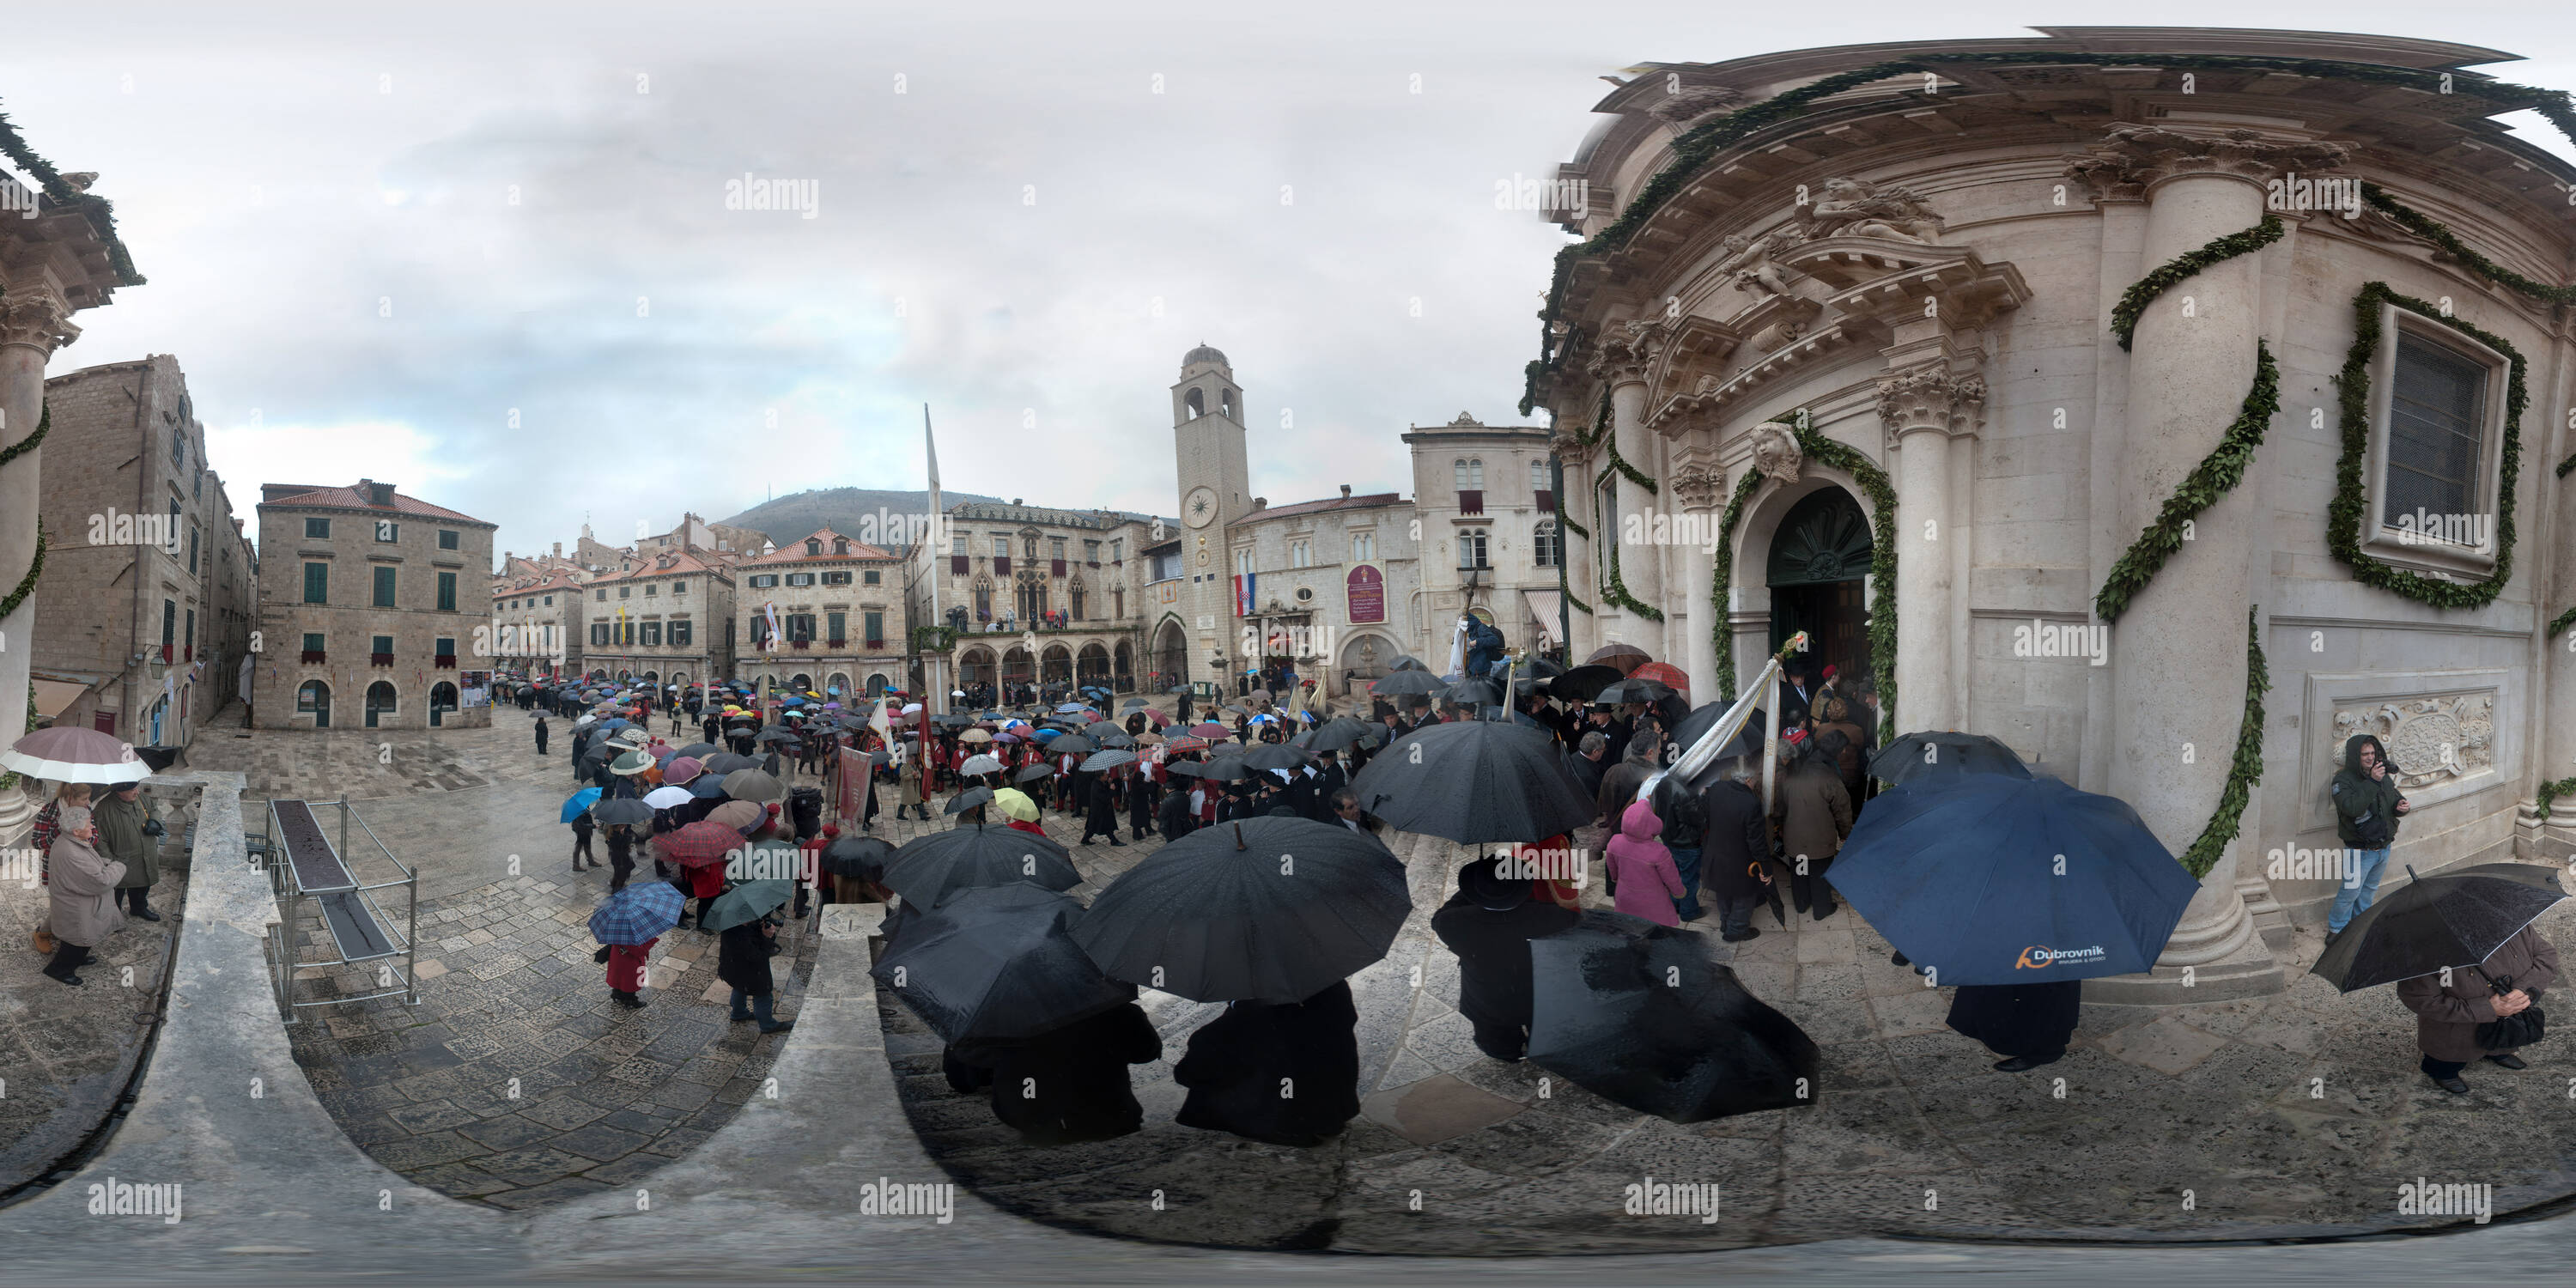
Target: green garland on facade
[(1697, 149), (2552, 791), (1620, 463), (44, 426), (2562, 622), (1882, 563), (1565, 566), (2134, 301), (2344, 513), (2217, 475), (1614, 588), (2245, 770), (99, 211), (2432, 230)]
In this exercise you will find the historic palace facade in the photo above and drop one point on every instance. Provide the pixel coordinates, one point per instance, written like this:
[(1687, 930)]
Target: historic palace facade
[(2072, 385)]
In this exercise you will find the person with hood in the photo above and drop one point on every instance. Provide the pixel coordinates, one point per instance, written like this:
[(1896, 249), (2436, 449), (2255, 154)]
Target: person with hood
[(626, 972), (1642, 877), (742, 961), (1619, 785), (80, 896), (1735, 849), (541, 735), (1489, 924), (125, 826), (2367, 806), (2450, 1005), (1815, 815), (1286, 1073), (1067, 1085)]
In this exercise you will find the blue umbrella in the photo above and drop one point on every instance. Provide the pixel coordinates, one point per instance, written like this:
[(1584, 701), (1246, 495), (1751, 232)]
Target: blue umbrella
[(1995, 880), (707, 786), (577, 802), (612, 725), (1073, 706), (1048, 734), (637, 914)]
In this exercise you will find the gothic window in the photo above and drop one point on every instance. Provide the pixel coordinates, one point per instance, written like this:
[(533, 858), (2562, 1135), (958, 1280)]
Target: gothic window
[(1363, 547), (1471, 548), (1075, 595), (983, 599)]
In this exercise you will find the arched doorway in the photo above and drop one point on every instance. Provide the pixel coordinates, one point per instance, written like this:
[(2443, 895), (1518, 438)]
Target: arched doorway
[(1058, 664), (381, 702), (1818, 574), (801, 682), (1091, 666), (1122, 666), (313, 698), (1170, 660), (654, 677), (1018, 667), (877, 685), (442, 699), (1365, 660), (974, 666), (836, 686)]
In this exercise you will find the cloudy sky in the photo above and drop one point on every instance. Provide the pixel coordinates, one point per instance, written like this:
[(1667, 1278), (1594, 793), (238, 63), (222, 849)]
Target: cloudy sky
[(482, 250)]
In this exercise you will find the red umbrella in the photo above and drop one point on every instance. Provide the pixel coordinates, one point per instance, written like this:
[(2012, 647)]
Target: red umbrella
[(1210, 729), (1626, 657), (1663, 673), (699, 844), (1186, 742), (1156, 718)]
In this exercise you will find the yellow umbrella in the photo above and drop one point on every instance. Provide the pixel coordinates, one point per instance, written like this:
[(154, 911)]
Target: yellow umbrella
[(1015, 803)]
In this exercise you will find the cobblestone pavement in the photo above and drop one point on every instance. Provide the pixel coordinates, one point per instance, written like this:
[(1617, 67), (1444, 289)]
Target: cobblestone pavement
[(2296, 1114), (66, 1053)]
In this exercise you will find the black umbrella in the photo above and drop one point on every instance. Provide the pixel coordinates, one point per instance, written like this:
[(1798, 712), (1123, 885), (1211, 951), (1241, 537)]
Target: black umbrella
[(1032, 773), (997, 964), (1070, 744), (1406, 662), (1133, 703), (1476, 693), (725, 762), (701, 750), (1273, 755), (1633, 691), (952, 721), (1186, 769), (1107, 738), (1110, 759), (1921, 755), (1642, 1015), (926, 870), (1475, 781), (2445, 920), (623, 809), (1540, 668), (863, 858), (775, 735), (1226, 769), (1581, 683), (2531, 874), (1408, 683), (968, 799), (1267, 909)]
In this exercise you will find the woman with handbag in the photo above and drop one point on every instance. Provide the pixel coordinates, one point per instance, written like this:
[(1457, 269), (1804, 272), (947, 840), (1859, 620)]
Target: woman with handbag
[(2463, 1013)]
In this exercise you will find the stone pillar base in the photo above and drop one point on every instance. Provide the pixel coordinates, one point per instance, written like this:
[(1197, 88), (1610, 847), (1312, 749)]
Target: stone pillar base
[(2271, 920), (2250, 971), (2535, 839), (17, 812)]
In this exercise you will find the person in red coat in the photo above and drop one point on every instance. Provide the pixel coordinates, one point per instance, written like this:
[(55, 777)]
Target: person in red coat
[(626, 970), (1027, 825)]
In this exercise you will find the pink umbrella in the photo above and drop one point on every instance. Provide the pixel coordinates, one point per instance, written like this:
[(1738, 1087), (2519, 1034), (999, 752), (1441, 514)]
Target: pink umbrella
[(682, 769), (1156, 718), (1006, 737), (75, 755)]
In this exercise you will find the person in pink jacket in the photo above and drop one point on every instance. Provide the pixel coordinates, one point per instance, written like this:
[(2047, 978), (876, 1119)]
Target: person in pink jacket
[(1643, 869)]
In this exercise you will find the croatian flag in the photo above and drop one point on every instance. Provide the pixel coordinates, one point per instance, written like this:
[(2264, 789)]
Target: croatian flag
[(1243, 595)]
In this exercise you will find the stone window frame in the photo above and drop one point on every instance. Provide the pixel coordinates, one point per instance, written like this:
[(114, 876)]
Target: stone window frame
[(2378, 539), (317, 528), (385, 587)]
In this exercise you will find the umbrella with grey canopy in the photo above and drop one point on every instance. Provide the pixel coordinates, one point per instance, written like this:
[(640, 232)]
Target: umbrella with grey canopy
[(624, 809), (1475, 781), (968, 799), (750, 901), (2447, 920), (1100, 760), (1408, 683), (928, 869), (997, 964)]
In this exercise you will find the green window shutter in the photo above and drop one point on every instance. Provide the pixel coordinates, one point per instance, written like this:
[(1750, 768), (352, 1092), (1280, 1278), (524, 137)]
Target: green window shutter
[(447, 592), (317, 583), (384, 587)]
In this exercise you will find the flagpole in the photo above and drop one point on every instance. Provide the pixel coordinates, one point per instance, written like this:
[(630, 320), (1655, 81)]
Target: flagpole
[(930, 564)]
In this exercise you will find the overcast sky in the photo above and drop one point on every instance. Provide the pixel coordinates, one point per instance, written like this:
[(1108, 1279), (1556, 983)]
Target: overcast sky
[(372, 239)]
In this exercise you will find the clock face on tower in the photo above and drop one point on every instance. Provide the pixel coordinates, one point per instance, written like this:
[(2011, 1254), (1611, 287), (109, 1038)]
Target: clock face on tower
[(1199, 508)]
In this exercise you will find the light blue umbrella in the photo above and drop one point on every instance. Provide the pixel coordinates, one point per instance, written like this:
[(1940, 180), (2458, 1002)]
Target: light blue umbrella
[(576, 803)]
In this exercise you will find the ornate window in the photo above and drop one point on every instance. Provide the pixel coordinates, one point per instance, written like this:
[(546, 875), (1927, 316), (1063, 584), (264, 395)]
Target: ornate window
[(1546, 551)]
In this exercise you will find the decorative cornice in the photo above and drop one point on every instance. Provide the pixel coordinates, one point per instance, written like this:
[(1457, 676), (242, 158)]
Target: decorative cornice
[(38, 319), (1930, 398), (2131, 158), (1623, 355)]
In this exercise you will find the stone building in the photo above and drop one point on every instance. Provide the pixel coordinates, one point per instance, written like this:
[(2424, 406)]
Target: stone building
[(665, 617), (1330, 588), (368, 609), (143, 611), (695, 533), (1033, 595), (537, 623), (1889, 329), (1484, 494), (823, 613), (59, 254)]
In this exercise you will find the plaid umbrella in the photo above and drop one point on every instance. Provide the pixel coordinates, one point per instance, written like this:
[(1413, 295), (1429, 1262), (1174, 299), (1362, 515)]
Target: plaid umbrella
[(637, 914), (699, 844)]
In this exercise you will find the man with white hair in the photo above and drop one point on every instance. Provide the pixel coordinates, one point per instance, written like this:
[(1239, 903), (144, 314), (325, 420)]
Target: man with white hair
[(1735, 862)]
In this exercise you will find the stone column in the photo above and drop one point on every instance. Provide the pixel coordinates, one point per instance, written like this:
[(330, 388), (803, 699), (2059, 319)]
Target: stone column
[(2552, 528), (1624, 358), (34, 321), (1696, 487), (1923, 408), (1575, 549), (2178, 653)]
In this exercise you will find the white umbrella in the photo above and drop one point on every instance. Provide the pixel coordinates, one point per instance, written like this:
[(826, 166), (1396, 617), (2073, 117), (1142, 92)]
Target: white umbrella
[(75, 755), (666, 797), (980, 765)]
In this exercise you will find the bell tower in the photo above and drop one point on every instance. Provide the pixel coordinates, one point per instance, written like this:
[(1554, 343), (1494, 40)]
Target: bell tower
[(1215, 490)]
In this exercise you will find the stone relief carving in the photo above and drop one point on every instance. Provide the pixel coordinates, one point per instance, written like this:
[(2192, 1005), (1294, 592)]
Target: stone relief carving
[(1697, 482), (1930, 398), (1626, 352), (1776, 453), (37, 318), (1859, 208), (2131, 156), (2429, 740), (1749, 261)]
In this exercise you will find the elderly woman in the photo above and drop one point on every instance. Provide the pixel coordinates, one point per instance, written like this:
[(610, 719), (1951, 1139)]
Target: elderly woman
[(82, 910), (2449, 1005)]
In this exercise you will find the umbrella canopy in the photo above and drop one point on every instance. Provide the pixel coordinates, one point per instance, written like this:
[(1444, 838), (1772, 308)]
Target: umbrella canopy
[(1015, 803), (666, 797), (997, 964), (680, 769), (741, 816), (774, 735), (1032, 773), (1154, 716), (1132, 703), (1259, 695), (1476, 781), (1407, 662), (1275, 755), (750, 901), (1695, 726), (638, 914), (1608, 1016), (706, 786), (968, 799), (1941, 754), (699, 844), (1581, 683), (925, 871), (753, 785), (1632, 690), (578, 802), (1210, 730), (614, 725), (629, 764), (2444, 920), (1110, 736), (1408, 682), (1963, 875), (66, 754), (1072, 744), (976, 735), (980, 765), (1663, 673), (1625, 658), (624, 809), (1100, 760), (1273, 909), (1474, 693), (861, 858), (1072, 706)]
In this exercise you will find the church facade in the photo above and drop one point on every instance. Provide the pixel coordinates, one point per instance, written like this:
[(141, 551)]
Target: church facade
[(2170, 404)]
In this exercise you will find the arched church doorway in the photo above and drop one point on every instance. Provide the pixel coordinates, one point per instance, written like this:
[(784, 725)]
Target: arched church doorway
[(1818, 574)]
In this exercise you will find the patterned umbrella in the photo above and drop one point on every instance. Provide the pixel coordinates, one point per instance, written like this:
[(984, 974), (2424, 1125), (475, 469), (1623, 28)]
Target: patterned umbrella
[(699, 844), (638, 914)]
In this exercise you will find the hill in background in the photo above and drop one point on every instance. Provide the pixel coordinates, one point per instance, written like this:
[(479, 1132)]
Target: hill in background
[(866, 513)]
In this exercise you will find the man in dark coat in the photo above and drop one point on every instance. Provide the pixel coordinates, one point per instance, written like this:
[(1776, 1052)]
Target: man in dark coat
[(1328, 779), (1140, 804), (1066, 1085), (743, 962), (2367, 806), (1103, 819), (1286, 1072), (1796, 695), (1735, 851), (1591, 761), (1173, 819), (2027, 1024), (1489, 924), (580, 744), (541, 735)]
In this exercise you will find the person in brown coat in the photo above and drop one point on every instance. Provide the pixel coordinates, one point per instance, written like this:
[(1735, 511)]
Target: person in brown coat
[(1815, 815), (2450, 1004), (1620, 782), (81, 899)]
